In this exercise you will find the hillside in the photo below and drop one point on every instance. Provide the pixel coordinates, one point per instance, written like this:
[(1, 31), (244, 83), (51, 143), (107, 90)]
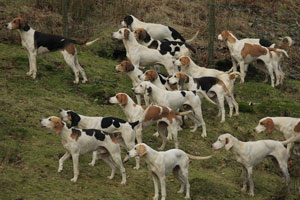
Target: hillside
[(29, 154)]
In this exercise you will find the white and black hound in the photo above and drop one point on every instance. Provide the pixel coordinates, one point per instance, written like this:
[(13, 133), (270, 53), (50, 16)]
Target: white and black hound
[(175, 48), (157, 31), (107, 124), (81, 141), (37, 43)]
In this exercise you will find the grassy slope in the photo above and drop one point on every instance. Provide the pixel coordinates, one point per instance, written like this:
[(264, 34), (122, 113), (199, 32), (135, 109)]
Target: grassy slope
[(29, 154)]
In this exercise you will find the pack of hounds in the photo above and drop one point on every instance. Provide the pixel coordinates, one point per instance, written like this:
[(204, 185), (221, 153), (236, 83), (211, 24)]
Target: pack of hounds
[(169, 101)]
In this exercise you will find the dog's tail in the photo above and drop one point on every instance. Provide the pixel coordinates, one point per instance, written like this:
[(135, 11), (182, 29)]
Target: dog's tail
[(198, 157), (205, 95), (85, 43), (184, 113), (134, 124), (292, 139), (193, 38), (220, 82), (283, 51)]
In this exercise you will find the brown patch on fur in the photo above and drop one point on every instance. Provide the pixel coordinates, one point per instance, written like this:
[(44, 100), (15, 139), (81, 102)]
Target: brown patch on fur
[(115, 137), (226, 140), (173, 86), (70, 48), (126, 34), (75, 134), (122, 98), (185, 61), (297, 127), (18, 23), (125, 66), (226, 36), (134, 105), (141, 150), (220, 82), (58, 125), (253, 50), (232, 76), (269, 124), (151, 75), (182, 78), (158, 112), (140, 34)]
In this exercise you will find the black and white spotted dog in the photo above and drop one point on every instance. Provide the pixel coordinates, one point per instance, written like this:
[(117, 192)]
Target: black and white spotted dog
[(81, 141), (157, 31), (123, 131), (175, 48), (37, 43)]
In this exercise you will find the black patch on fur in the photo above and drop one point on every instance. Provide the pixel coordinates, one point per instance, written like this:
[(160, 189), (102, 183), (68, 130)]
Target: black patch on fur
[(162, 78), (128, 19), (153, 45), (99, 135), (108, 121), (75, 118), (162, 52), (26, 27), (195, 93), (76, 131), (265, 43), (183, 93), (134, 124), (176, 35), (177, 49), (51, 42), (149, 90), (205, 82), (166, 46)]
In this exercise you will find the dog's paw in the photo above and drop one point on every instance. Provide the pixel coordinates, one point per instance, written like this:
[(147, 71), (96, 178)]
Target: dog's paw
[(92, 164), (74, 180), (156, 134)]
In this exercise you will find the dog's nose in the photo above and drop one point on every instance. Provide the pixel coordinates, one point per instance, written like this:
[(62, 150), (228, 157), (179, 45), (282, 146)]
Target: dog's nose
[(254, 129), (127, 153), (40, 120), (60, 110), (6, 25), (139, 76)]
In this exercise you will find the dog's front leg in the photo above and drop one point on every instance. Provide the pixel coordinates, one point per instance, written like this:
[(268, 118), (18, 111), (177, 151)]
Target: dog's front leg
[(32, 63), (75, 158), (62, 160), (155, 181), (163, 187)]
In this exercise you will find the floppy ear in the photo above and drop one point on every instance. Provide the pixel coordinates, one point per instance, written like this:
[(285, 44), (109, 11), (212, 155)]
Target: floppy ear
[(74, 118), (21, 23), (185, 61), (126, 34), (228, 143), (124, 99), (149, 90), (182, 79), (142, 34), (58, 125), (297, 127), (141, 150), (129, 66), (269, 124), (224, 35)]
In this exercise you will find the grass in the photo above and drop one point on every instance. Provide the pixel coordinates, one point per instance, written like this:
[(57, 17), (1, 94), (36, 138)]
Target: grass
[(29, 154)]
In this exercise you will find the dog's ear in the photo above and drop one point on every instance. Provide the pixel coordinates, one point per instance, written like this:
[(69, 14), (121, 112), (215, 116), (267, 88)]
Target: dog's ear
[(151, 75), (149, 90), (126, 34), (185, 61), (141, 150), (74, 118), (228, 143), (58, 124), (269, 124), (142, 34), (182, 78), (122, 98), (21, 23), (225, 35), (129, 66), (297, 128)]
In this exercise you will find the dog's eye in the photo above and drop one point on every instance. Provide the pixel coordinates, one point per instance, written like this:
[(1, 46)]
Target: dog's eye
[(120, 32), (141, 86), (134, 148), (49, 119)]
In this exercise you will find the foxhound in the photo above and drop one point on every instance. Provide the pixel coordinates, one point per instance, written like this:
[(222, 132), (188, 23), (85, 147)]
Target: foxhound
[(154, 77), (175, 100), (140, 55), (107, 124), (162, 163), (250, 154), (290, 127), (37, 43), (80, 141), (175, 48), (211, 85), (165, 118), (157, 31), (245, 53), (190, 68), (134, 74)]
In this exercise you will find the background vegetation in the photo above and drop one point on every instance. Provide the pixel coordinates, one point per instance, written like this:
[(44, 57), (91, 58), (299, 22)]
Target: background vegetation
[(29, 154)]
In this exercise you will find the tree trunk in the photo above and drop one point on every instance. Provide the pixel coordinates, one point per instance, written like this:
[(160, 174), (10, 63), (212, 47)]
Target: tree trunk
[(211, 30)]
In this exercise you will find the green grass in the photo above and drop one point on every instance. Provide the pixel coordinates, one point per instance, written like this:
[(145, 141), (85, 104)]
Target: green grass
[(29, 154)]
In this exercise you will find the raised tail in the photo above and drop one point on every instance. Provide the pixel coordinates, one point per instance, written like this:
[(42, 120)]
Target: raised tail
[(193, 38), (134, 124), (86, 43), (220, 82), (283, 51), (198, 157), (205, 95)]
